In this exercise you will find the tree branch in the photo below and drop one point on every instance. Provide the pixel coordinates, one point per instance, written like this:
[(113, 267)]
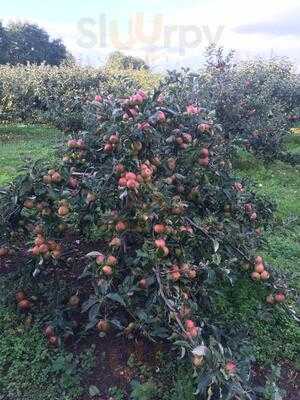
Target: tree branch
[(169, 305)]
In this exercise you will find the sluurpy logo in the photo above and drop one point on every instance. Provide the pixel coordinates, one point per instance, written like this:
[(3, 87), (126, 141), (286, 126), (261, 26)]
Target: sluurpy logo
[(150, 35)]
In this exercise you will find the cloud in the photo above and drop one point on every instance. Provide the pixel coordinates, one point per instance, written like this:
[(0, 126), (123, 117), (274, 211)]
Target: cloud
[(256, 28), (283, 25)]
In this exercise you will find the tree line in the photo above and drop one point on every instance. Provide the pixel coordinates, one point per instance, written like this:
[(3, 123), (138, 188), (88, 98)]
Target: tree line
[(22, 43)]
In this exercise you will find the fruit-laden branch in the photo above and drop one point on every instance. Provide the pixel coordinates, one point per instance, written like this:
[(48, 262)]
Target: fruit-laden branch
[(208, 236), (169, 305)]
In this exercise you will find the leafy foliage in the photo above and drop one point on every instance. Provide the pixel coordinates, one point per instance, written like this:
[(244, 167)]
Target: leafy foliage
[(146, 391), (3, 45), (153, 182), (46, 94), (118, 60), (28, 43), (255, 101), (57, 95)]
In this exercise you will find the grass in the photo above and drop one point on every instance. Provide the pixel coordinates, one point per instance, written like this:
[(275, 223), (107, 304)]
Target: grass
[(19, 142), (268, 334), (281, 183), (29, 369), (274, 336)]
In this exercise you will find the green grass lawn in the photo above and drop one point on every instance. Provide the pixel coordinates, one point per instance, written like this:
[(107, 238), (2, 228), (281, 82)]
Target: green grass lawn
[(30, 370), (240, 305), (281, 183), (20, 142)]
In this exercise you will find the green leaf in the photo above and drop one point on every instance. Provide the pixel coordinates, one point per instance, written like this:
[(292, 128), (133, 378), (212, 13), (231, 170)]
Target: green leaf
[(117, 324), (116, 297), (88, 304), (94, 311), (203, 383), (90, 325), (216, 245), (216, 259), (94, 391)]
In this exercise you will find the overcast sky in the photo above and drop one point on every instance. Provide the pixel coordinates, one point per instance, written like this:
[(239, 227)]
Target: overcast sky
[(167, 33)]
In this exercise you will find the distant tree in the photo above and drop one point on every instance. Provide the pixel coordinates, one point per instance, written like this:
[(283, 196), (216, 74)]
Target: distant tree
[(3, 45), (70, 60), (30, 43), (122, 61)]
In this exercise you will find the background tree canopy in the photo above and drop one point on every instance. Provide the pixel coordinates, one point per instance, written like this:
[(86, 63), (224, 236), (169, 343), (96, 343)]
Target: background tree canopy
[(121, 61), (22, 43), (3, 44)]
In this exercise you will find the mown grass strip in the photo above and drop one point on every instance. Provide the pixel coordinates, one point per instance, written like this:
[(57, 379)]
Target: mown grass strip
[(19, 142)]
